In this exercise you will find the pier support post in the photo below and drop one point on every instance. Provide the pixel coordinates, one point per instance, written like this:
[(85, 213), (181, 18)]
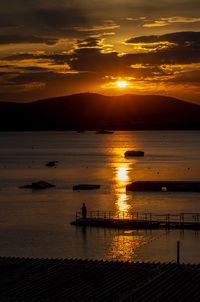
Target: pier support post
[(178, 252)]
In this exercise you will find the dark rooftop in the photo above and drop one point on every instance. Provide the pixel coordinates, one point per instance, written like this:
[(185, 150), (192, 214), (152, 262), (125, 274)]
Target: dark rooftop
[(86, 280)]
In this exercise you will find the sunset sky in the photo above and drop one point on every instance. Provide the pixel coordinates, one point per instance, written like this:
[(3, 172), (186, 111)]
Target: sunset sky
[(60, 47)]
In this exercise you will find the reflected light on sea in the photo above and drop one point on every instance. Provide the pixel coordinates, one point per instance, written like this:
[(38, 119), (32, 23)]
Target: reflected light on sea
[(121, 178), (122, 173), (123, 247)]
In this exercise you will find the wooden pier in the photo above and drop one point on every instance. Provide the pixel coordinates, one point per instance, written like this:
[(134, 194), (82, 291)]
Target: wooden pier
[(138, 220)]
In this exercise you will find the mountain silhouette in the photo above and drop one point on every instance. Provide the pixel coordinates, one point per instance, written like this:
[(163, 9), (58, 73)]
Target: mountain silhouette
[(91, 111)]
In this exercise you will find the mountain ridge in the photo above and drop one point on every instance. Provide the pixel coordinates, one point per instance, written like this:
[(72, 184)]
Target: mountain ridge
[(95, 111)]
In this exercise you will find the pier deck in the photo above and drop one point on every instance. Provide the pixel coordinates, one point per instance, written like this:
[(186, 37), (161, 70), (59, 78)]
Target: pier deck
[(138, 220)]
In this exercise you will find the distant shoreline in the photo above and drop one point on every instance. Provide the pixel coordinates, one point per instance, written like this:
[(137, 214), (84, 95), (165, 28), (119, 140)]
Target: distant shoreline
[(93, 112)]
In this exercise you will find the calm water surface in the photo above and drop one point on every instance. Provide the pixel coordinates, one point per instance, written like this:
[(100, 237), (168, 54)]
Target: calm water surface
[(37, 223)]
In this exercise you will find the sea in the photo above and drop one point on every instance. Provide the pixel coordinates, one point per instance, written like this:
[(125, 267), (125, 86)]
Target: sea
[(36, 223)]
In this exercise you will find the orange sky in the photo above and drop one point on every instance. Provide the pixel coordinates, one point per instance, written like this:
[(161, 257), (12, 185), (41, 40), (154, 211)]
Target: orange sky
[(52, 48)]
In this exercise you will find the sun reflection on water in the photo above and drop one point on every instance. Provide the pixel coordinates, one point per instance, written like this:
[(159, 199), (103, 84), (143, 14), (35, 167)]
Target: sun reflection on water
[(123, 247), (122, 203), (121, 178), (123, 171), (122, 174)]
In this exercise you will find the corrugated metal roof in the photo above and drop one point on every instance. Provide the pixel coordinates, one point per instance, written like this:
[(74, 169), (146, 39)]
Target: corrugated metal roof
[(86, 280)]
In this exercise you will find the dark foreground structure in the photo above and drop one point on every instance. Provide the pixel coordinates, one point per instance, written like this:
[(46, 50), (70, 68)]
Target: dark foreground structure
[(89, 281)]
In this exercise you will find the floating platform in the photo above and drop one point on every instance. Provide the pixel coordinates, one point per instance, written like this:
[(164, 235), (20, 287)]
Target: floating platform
[(86, 187), (133, 153), (173, 186), (38, 185), (139, 220)]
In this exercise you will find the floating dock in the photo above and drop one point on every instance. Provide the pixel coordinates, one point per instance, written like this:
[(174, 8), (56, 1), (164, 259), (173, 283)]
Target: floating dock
[(172, 186), (139, 220), (133, 153), (86, 187)]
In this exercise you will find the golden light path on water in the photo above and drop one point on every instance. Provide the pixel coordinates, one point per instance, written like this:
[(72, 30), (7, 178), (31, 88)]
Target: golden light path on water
[(122, 175), (123, 246), (121, 179)]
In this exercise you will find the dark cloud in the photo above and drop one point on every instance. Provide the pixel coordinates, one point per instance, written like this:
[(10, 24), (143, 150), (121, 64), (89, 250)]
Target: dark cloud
[(184, 50), (93, 60), (187, 38), (33, 68), (19, 57), (55, 58), (189, 77), (35, 23), (60, 18), (170, 57), (82, 59), (5, 66), (89, 57), (47, 25), (89, 42), (26, 78), (15, 39)]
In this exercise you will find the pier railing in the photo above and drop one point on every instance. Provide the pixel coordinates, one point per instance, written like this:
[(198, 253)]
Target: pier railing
[(181, 218)]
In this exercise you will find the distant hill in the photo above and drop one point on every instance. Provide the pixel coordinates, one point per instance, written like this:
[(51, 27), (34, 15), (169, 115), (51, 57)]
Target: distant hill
[(94, 111)]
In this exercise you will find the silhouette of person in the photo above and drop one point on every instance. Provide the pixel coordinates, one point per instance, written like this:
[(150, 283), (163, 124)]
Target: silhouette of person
[(84, 211)]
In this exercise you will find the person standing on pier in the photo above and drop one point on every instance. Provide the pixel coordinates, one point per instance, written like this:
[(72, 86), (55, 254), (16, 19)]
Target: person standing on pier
[(84, 211)]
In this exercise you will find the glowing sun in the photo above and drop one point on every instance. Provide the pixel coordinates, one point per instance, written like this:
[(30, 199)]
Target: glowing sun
[(121, 84)]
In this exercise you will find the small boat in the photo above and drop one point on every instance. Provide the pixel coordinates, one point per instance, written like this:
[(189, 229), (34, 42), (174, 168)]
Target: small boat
[(104, 132), (133, 153), (86, 187)]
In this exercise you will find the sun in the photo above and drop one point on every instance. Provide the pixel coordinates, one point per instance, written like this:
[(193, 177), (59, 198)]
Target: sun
[(121, 84)]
